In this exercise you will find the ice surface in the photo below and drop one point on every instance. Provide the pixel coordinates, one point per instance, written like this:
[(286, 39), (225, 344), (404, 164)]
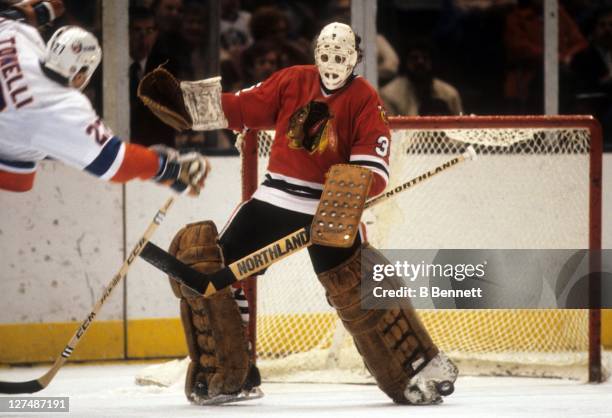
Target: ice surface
[(108, 390)]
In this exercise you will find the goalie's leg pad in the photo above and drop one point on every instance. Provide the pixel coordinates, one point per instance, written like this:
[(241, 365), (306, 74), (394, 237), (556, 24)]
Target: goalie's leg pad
[(216, 337), (393, 342)]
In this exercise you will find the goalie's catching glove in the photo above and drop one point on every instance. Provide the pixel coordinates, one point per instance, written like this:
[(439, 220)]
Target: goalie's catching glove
[(183, 105), (183, 173)]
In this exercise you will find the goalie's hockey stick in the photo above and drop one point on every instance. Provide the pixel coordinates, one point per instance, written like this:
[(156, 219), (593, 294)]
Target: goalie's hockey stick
[(42, 382), (207, 284)]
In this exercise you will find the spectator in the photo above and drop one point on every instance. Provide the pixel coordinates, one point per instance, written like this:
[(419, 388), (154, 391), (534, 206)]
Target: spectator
[(235, 35), (388, 61), (168, 18), (259, 61), (592, 70), (193, 50), (415, 91), (271, 24), (303, 15), (193, 42), (168, 15), (524, 34), (143, 34), (146, 128)]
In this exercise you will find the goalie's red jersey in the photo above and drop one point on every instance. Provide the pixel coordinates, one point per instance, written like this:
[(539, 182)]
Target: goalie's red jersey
[(314, 130)]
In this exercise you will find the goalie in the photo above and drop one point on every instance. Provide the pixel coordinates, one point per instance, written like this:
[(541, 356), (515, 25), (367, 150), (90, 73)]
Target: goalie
[(323, 115)]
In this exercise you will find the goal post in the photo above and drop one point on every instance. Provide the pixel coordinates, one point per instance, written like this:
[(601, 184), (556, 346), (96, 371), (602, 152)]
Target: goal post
[(537, 184)]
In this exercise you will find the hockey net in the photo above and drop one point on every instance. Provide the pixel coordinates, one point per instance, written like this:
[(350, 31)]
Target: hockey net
[(534, 186)]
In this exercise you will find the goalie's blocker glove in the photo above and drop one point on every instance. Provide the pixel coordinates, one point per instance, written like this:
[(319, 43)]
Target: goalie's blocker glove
[(183, 173)]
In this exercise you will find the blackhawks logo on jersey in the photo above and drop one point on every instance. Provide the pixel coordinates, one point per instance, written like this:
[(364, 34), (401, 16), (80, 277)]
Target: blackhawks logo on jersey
[(383, 114), (311, 128)]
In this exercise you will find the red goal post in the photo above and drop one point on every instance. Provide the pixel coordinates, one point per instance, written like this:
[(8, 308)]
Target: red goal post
[(475, 125)]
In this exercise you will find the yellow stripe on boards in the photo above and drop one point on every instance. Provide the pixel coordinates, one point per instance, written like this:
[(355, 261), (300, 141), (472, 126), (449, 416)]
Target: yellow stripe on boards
[(159, 337), (163, 337), (606, 328), (37, 343)]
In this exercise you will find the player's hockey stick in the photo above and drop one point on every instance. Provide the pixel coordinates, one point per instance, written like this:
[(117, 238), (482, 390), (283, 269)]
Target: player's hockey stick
[(207, 284), (42, 382)]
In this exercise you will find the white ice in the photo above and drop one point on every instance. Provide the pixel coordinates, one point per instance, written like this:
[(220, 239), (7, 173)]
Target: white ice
[(109, 390)]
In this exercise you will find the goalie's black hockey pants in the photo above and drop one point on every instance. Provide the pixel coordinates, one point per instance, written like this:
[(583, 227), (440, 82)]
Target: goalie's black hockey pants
[(257, 224)]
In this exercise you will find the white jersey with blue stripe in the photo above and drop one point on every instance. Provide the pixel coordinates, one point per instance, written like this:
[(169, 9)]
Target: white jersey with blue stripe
[(41, 118)]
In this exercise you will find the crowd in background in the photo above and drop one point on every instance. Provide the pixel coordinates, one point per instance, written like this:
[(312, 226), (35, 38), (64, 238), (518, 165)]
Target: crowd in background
[(435, 57)]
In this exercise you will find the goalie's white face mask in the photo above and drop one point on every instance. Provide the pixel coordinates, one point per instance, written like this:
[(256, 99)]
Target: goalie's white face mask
[(72, 51), (336, 54)]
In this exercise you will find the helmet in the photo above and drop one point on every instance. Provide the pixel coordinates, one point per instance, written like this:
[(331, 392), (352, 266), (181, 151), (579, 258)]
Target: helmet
[(72, 50), (336, 54)]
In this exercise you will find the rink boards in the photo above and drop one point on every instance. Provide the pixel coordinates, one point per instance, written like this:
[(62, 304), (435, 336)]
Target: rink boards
[(62, 242)]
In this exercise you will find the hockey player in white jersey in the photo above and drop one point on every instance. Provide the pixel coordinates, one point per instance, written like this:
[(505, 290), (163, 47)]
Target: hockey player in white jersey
[(44, 114)]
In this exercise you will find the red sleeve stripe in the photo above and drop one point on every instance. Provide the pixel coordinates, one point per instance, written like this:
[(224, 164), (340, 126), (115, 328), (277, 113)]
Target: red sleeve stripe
[(137, 162), (16, 182)]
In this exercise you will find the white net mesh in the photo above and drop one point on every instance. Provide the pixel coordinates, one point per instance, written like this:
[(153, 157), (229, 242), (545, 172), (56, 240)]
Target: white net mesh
[(528, 189)]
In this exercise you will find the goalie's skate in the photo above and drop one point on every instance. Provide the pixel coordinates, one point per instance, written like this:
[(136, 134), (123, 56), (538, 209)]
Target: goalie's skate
[(437, 379), (244, 395)]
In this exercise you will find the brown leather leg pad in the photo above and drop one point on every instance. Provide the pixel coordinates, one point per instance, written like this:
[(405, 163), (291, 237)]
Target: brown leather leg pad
[(393, 342), (215, 334)]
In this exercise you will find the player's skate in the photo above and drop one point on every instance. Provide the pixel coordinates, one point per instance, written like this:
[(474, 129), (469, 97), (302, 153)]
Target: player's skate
[(437, 379), (250, 391), (245, 395)]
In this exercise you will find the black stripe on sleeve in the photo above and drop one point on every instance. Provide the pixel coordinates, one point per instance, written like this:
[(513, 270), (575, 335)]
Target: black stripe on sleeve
[(371, 164)]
